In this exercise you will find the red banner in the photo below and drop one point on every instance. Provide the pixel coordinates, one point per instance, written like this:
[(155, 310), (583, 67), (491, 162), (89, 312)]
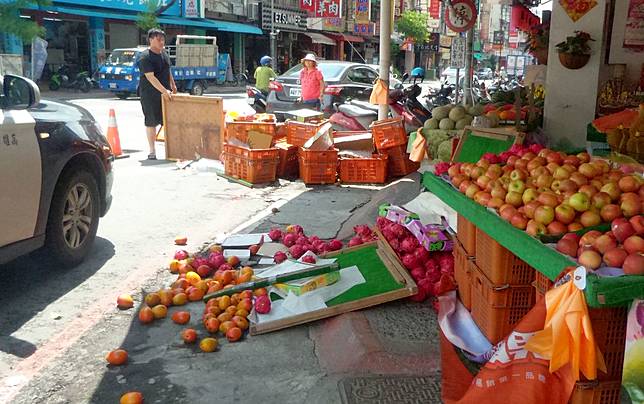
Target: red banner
[(328, 8), (522, 19), (307, 5), (434, 9)]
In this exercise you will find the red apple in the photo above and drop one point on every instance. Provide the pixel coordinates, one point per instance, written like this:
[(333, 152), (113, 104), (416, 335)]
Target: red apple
[(544, 181), (634, 244), (589, 190), (498, 192), (534, 228), (548, 199), (628, 183), (638, 224), (578, 179), (611, 189), (572, 160), (507, 213), (557, 228), (634, 264), (575, 226), (583, 248), (630, 207), (568, 186), (554, 157), (590, 259), (610, 212), (495, 203), (589, 237), (552, 167), (615, 257), (472, 190), (587, 170), (512, 160), (572, 236), (514, 199), (580, 202), (477, 172), (622, 229), (483, 181), (464, 185), (567, 246), (530, 207), (482, 198), (565, 214), (519, 221), (561, 174), (541, 170), (601, 199), (529, 195), (604, 243), (583, 157), (590, 218), (544, 215)]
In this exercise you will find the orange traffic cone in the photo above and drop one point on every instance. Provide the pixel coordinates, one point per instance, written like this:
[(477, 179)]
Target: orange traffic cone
[(113, 135)]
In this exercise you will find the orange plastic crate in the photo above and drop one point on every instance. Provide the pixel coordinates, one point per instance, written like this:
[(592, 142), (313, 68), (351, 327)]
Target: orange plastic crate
[(496, 309), (462, 275), (398, 163), (466, 234), (541, 284), (364, 170), (389, 133), (318, 167), (595, 392), (499, 264), (288, 166), (239, 130), (609, 329), (297, 133), (253, 165)]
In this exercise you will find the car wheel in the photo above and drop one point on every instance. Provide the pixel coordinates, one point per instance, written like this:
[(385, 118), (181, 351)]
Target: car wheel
[(73, 218), (197, 89), (123, 95)]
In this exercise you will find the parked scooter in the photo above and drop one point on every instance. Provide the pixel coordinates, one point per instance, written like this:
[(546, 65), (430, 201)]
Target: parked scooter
[(61, 79), (256, 99)]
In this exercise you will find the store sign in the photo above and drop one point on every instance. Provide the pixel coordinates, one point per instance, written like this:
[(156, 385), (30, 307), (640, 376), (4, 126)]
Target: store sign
[(193, 9), (499, 38), (174, 8), (363, 11), (326, 24), (307, 5), (522, 19), (431, 45), (434, 9), (368, 29), (283, 19), (328, 8), (457, 54)]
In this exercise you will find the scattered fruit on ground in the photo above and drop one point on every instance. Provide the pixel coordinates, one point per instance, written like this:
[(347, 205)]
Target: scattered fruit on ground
[(159, 311), (146, 315), (152, 299), (117, 357), (131, 397), (189, 335), (181, 317), (181, 240), (233, 334), (208, 344), (124, 302)]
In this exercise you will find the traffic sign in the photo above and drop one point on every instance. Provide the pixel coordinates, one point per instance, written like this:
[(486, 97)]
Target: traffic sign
[(457, 53), (461, 15)]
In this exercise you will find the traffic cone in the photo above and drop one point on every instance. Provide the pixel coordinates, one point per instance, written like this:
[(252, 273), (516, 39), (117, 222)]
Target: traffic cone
[(113, 135)]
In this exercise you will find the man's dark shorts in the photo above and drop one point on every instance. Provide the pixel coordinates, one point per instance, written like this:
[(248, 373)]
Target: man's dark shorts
[(151, 105)]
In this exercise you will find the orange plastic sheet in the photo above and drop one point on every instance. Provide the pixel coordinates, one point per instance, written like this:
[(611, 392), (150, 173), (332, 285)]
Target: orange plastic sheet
[(380, 93), (567, 336), (624, 118)]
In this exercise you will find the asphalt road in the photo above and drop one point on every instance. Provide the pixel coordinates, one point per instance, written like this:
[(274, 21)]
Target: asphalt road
[(44, 309)]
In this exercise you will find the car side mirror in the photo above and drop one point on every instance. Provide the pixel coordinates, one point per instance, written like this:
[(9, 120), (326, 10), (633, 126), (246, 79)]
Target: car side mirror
[(20, 92), (398, 86)]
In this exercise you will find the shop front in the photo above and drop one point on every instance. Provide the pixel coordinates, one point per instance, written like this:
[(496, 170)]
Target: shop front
[(288, 25)]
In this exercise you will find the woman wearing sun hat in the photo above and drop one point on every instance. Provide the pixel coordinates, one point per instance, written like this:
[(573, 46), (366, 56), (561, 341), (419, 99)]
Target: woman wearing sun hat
[(312, 82)]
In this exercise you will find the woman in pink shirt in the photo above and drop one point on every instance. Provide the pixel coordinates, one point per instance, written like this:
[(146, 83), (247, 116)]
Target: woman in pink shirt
[(312, 83)]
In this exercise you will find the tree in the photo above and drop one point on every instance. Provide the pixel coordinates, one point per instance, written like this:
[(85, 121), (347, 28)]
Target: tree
[(148, 19), (413, 24), (12, 23)]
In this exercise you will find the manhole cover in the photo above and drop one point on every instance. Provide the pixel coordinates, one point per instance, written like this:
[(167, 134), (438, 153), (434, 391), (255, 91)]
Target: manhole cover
[(391, 389)]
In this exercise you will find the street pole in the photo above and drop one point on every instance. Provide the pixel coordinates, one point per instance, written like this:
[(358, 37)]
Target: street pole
[(273, 40), (385, 49), (467, 83)]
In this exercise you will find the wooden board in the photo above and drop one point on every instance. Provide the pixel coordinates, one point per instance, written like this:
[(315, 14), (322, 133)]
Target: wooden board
[(476, 141), (193, 126), (398, 272)]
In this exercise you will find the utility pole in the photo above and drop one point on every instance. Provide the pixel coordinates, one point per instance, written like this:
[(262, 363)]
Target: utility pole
[(273, 38), (385, 48)]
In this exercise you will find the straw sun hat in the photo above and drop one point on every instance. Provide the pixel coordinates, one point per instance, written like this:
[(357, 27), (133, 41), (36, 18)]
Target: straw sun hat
[(310, 57)]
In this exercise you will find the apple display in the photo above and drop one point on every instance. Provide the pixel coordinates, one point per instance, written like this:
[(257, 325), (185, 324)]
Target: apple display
[(590, 259), (544, 215), (604, 243), (567, 247), (634, 264), (601, 199), (565, 214), (557, 228), (615, 257), (590, 218), (580, 202)]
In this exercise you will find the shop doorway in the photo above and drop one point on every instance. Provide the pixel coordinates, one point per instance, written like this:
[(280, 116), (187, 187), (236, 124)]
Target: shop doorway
[(68, 46)]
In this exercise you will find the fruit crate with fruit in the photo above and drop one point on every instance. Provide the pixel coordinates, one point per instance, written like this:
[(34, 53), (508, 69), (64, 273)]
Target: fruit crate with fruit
[(499, 264), (318, 167), (363, 170), (398, 163), (462, 275), (496, 309), (388, 133), (297, 133), (238, 129), (252, 165)]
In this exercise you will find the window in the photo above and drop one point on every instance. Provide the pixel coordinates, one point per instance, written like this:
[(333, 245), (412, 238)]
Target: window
[(362, 75)]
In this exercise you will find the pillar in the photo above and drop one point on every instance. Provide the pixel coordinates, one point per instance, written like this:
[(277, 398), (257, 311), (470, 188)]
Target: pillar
[(96, 40), (239, 51), (571, 95)]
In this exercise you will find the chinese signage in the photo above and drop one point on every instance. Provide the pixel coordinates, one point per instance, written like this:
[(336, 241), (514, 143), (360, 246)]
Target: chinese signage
[(577, 8), (461, 15), (522, 19), (192, 9), (307, 5), (431, 45), (284, 19), (457, 54), (634, 32), (363, 11), (130, 5), (328, 8), (499, 38), (434, 9), (326, 24), (367, 29)]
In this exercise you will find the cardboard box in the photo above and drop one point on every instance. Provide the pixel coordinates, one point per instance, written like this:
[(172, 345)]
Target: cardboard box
[(302, 286), (362, 142), (304, 115), (322, 140), (259, 140)]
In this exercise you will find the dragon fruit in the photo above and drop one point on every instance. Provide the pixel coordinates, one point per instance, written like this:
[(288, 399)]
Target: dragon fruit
[(362, 229), (382, 222), (441, 168), (289, 239), (431, 265), (417, 273), (313, 240), (294, 228), (181, 255), (309, 259), (302, 240), (279, 257), (395, 244), (335, 245), (262, 304), (296, 251), (410, 261), (200, 261), (535, 148), (357, 240), (275, 234), (389, 234), (422, 254), (215, 260), (446, 263), (434, 275), (398, 230), (409, 244), (419, 297), (225, 267)]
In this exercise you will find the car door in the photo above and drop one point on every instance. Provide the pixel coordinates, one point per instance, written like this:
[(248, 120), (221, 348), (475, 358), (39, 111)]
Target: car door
[(360, 82), (20, 176)]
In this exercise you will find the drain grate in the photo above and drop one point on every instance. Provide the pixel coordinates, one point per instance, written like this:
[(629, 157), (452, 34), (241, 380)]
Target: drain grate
[(391, 389)]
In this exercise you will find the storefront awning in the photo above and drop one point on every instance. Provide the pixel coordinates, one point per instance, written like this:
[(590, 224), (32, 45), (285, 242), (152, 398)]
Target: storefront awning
[(346, 37), (319, 38), (195, 22)]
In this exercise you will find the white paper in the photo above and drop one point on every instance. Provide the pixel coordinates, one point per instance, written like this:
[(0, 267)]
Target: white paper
[(430, 209), (244, 240), (241, 254), (266, 261)]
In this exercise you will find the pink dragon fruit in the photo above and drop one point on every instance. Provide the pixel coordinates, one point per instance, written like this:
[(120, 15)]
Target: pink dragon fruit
[(279, 257), (296, 251), (357, 240), (289, 239), (275, 234), (335, 245)]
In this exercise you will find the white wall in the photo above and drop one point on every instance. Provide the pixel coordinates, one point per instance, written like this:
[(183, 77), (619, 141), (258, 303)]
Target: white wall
[(619, 54), (571, 95)]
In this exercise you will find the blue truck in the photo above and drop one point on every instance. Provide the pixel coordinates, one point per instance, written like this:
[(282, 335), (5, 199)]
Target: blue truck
[(195, 66)]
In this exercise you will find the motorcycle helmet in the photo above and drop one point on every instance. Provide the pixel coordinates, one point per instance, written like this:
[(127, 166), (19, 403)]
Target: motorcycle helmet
[(418, 73), (265, 60)]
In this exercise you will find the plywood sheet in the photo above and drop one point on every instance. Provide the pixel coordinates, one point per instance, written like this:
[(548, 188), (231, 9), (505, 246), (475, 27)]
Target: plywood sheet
[(193, 126)]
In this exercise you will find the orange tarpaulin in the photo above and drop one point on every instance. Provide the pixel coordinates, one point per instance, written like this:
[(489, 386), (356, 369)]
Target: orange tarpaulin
[(612, 121)]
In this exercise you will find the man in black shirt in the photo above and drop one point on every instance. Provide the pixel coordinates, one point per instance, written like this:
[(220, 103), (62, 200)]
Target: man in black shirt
[(156, 82)]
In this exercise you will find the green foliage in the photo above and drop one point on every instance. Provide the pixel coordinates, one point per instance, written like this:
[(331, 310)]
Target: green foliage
[(413, 24), (577, 44), (148, 19), (11, 22)]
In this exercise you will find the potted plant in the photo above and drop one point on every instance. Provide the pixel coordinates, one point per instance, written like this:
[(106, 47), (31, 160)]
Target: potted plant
[(574, 52), (537, 44)]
